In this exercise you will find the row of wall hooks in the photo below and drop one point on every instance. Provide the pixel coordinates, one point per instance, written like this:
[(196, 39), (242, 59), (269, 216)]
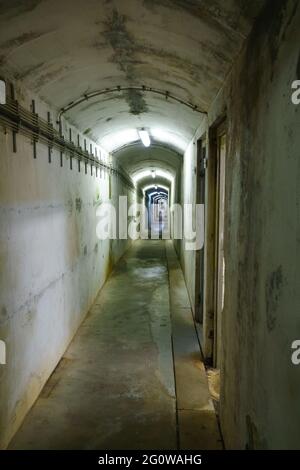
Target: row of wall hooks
[(21, 121)]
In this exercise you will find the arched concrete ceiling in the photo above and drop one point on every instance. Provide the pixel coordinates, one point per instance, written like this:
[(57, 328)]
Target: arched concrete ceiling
[(159, 181), (147, 172), (62, 49), (136, 158), (151, 187)]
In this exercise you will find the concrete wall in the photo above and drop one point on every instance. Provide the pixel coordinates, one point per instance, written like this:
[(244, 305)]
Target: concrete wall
[(262, 300), (259, 389), (52, 264)]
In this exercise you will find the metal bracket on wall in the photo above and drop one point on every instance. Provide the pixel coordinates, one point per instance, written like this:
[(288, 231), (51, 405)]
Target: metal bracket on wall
[(15, 130), (49, 153), (35, 120), (28, 123), (14, 141), (34, 147)]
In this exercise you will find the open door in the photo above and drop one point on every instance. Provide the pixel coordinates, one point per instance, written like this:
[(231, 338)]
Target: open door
[(219, 284), (199, 259)]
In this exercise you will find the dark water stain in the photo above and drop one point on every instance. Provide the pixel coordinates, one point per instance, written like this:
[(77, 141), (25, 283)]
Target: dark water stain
[(132, 57), (20, 40), (275, 30), (183, 70), (46, 77), (78, 203), (128, 51), (87, 131), (85, 250), (27, 71), (40, 75), (172, 60), (275, 39), (217, 17), (136, 102), (3, 313), (273, 292), (254, 440), (70, 206), (14, 8), (122, 42)]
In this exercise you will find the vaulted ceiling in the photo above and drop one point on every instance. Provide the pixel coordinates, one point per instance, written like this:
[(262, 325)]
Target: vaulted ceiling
[(157, 64), (62, 49)]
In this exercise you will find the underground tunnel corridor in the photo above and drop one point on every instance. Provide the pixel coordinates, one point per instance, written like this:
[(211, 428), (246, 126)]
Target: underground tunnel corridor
[(115, 386), (149, 224)]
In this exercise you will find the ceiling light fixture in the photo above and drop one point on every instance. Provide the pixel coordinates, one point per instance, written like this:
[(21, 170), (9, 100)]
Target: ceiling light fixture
[(144, 136), (153, 172)]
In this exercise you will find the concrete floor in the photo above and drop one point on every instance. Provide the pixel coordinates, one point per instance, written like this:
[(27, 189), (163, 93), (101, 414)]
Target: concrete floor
[(115, 386)]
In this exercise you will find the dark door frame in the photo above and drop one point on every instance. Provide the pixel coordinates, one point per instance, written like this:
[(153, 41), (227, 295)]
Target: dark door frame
[(199, 254), (211, 239), (219, 243)]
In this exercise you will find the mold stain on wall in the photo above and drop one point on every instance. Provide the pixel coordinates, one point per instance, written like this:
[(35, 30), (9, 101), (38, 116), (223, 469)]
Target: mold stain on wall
[(273, 293)]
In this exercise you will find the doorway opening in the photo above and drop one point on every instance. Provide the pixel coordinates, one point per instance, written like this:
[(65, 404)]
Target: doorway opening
[(199, 255), (157, 203), (214, 254), (219, 282)]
